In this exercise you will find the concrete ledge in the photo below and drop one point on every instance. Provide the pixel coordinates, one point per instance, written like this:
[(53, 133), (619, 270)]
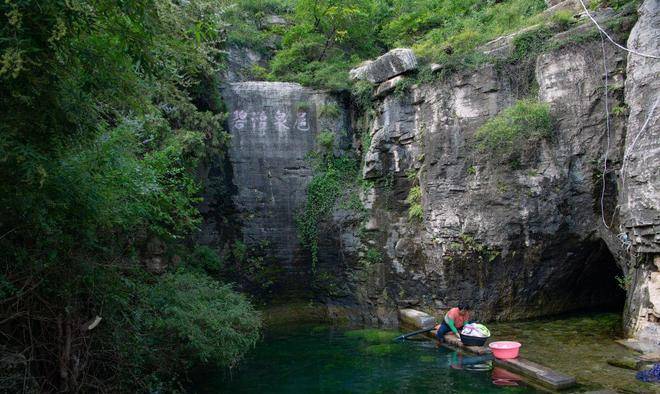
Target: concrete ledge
[(416, 319), (537, 373)]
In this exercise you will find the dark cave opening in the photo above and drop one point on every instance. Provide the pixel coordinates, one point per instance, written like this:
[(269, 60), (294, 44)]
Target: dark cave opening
[(599, 283)]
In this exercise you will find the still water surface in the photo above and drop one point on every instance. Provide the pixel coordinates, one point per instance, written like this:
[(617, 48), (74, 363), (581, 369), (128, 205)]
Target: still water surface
[(325, 359)]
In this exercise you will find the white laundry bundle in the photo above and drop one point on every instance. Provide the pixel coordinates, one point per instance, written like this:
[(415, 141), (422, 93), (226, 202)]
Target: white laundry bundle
[(475, 330)]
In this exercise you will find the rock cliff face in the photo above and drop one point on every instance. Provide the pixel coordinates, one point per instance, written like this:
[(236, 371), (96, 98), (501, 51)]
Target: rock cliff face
[(546, 235), (516, 242), (274, 126), (640, 177)]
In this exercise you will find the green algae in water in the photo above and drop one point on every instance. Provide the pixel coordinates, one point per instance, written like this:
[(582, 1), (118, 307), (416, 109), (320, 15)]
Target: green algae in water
[(372, 335), (319, 329), (427, 359), (380, 349), (578, 345), (306, 360)]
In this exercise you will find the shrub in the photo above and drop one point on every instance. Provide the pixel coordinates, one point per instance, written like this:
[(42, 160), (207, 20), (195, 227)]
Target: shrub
[(317, 50), (335, 181), (253, 267), (528, 44), (372, 256), (107, 113), (415, 211), (563, 18), (507, 134), (187, 319), (326, 140), (331, 110), (362, 94), (455, 28), (465, 248), (205, 259)]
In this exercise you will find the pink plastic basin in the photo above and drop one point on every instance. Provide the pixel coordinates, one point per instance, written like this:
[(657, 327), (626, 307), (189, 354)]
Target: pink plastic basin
[(505, 349)]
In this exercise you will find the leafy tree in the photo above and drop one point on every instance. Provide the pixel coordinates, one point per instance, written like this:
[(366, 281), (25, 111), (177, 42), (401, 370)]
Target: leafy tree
[(105, 119), (327, 37)]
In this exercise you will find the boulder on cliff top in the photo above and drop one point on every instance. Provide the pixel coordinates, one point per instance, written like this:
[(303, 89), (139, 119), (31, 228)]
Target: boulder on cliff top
[(393, 63)]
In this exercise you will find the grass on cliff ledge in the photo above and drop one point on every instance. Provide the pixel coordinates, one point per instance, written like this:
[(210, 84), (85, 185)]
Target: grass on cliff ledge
[(328, 37), (516, 128)]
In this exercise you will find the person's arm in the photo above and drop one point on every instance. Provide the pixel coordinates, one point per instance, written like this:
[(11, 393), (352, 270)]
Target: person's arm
[(450, 323)]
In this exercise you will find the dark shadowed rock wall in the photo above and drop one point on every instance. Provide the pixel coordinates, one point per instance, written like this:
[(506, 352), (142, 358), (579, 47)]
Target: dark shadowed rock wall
[(274, 126)]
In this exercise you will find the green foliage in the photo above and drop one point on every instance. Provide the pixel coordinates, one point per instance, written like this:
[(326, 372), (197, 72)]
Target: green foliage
[(411, 174), (239, 251), (403, 86), (624, 282), (330, 111), (521, 125), (108, 108), (620, 110), (245, 21), (414, 199), (528, 44), (467, 249), (328, 36), (326, 140), (253, 267), (365, 139), (335, 181), (563, 18), (188, 319), (371, 256), (362, 92), (205, 259), (331, 36), (440, 31), (616, 4), (472, 170)]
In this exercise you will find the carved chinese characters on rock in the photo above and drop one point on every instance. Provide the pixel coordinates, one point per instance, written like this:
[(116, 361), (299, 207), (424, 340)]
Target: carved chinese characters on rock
[(301, 121), (280, 118), (239, 117), (259, 121)]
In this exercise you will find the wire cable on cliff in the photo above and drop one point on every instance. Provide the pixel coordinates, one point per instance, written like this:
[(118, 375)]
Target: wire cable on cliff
[(626, 154), (607, 123), (610, 38)]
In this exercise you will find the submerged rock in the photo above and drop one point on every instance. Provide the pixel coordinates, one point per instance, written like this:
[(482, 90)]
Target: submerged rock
[(625, 362)]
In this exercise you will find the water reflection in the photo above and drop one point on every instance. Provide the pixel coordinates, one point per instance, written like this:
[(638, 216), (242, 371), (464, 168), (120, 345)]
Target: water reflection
[(467, 362), (502, 377)]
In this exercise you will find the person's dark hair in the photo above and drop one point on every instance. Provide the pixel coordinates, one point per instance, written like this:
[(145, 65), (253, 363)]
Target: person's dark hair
[(464, 307)]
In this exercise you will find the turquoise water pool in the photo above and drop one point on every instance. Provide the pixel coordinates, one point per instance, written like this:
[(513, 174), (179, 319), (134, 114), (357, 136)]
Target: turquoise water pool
[(325, 359)]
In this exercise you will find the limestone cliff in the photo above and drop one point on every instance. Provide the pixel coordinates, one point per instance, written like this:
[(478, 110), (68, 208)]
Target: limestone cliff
[(551, 233), (516, 242), (273, 127), (640, 177)]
